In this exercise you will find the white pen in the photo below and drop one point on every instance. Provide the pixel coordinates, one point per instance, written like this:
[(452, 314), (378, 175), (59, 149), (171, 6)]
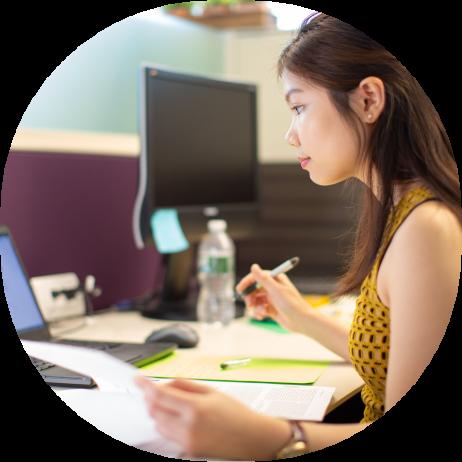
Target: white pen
[(235, 363), (282, 268)]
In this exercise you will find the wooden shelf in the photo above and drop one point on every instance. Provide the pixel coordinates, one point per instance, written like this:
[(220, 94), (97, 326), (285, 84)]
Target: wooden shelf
[(221, 17)]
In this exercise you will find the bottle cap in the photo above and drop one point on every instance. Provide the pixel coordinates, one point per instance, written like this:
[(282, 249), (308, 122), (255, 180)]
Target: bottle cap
[(215, 226)]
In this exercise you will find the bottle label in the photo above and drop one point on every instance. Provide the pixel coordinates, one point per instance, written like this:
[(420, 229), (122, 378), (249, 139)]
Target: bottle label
[(218, 265)]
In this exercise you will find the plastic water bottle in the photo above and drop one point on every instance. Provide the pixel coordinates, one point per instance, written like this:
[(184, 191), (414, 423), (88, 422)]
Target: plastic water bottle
[(216, 274)]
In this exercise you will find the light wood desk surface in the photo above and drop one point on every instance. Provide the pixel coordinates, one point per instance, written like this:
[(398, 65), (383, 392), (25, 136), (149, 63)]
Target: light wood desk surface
[(240, 338)]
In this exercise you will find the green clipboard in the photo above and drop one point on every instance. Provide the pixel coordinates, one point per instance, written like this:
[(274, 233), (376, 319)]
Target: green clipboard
[(259, 370)]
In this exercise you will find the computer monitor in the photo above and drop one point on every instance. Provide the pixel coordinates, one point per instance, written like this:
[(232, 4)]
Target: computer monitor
[(198, 138)]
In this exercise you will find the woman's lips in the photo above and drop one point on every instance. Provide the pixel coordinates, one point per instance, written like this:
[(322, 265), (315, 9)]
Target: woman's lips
[(304, 160)]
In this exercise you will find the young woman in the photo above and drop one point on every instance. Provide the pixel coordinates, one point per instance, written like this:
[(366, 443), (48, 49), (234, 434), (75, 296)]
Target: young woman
[(357, 113)]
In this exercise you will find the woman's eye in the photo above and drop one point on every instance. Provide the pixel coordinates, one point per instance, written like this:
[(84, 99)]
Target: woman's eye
[(297, 109)]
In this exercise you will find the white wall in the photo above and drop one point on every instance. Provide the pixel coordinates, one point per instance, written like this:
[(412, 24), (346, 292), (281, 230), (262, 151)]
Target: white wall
[(252, 56), (89, 105), (95, 87)]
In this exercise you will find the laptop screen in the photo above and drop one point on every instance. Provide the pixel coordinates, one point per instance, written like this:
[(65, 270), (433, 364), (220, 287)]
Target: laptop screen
[(23, 307)]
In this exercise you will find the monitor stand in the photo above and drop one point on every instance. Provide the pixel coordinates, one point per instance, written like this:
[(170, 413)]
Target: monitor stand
[(179, 310), (178, 299)]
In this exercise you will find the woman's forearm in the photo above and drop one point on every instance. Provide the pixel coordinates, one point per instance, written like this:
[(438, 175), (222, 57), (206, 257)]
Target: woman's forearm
[(276, 434), (322, 435), (328, 331)]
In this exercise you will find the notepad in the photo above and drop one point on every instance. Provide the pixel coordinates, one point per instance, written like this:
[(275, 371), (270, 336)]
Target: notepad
[(260, 370)]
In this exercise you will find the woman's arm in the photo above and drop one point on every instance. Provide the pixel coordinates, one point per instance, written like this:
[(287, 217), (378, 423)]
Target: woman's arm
[(207, 423), (422, 286), (321, 435), (281, 300), (328, 331)]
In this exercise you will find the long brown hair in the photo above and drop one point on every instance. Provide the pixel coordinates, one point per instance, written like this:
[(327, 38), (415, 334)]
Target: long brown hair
[(408, 143)]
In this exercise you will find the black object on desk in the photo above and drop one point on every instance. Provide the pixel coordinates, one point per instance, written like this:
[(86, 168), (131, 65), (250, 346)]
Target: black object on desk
[(177, 300), (181, 334), (177, 310)]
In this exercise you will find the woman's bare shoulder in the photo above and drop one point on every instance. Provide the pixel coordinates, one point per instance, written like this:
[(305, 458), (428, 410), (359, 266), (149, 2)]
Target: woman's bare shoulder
[(430, 232), (428, 222)]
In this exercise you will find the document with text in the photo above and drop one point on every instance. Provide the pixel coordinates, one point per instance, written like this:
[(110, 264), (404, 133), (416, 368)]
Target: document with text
[(117, 394), (298, 402)]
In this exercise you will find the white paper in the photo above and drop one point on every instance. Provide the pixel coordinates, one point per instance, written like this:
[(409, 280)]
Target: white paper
[(298, 402), (122, 416), (119, 410), (109, 373)]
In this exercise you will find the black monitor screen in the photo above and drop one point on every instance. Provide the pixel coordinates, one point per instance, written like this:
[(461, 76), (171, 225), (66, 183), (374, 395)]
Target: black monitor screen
[(200, 141)]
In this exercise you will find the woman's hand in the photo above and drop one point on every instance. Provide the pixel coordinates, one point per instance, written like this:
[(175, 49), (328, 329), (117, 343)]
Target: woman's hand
[(277, 298), (207, 423)]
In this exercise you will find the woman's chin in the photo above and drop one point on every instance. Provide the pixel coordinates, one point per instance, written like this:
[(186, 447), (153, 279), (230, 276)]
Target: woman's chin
[(324, 181)]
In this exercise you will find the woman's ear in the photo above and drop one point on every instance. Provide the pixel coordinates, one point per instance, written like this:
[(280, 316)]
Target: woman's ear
[(368, 99)]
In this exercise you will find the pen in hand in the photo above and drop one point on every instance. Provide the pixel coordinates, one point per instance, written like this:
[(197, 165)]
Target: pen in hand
[(282, 268)]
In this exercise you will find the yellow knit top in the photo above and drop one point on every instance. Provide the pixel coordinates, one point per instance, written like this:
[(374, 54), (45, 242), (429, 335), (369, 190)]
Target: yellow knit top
[(369, 337)]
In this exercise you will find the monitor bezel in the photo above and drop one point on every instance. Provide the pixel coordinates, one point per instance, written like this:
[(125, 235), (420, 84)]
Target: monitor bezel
[(144, 203)]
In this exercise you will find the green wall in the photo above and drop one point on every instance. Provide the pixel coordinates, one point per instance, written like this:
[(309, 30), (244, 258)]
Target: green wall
[(95, 88)]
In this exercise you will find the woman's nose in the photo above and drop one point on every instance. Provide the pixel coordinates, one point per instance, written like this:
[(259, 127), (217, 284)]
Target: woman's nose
[(291, 138)]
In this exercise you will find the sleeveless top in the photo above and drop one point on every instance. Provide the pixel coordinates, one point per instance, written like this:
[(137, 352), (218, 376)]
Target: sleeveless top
[(369, 336)]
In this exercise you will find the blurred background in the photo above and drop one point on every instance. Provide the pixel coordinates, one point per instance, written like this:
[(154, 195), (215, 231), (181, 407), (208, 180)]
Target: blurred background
[(70, 179)]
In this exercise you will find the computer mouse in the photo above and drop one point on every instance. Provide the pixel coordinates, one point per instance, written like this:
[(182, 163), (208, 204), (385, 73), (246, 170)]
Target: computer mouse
[(181, 334)]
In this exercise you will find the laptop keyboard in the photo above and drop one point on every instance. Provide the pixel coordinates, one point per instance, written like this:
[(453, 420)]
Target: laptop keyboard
[(103, 346), (40, 365)]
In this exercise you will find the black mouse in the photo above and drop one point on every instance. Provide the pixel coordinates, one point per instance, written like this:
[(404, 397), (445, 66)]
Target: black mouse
[(181, 334)]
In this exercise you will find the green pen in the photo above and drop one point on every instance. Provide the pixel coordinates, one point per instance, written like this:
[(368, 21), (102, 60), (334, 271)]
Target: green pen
[(235, 363)]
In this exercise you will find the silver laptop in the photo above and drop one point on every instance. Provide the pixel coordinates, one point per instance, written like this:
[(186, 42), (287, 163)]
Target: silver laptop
[(30, 324)]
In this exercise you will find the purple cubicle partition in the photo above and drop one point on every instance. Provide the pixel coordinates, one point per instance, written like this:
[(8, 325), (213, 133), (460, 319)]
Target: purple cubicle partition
[(73, 213)]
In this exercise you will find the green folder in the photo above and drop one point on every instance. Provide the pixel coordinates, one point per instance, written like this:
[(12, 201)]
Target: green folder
[(269, 324), (259, 370)]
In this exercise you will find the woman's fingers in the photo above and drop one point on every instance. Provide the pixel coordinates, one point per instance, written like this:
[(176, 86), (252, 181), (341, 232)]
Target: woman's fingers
[(264, 279), (173, 398), (261, 302), (170, 425), (257, 298), (257, 304), (245, 282), (189, 386), (146, 386), (283, 279), (259, 312)]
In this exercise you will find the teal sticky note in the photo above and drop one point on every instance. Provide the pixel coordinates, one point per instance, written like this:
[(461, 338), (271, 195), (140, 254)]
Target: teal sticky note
[(167, 232)]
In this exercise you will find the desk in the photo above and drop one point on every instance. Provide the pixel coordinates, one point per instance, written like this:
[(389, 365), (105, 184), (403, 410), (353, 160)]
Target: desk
[(240, 338)]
